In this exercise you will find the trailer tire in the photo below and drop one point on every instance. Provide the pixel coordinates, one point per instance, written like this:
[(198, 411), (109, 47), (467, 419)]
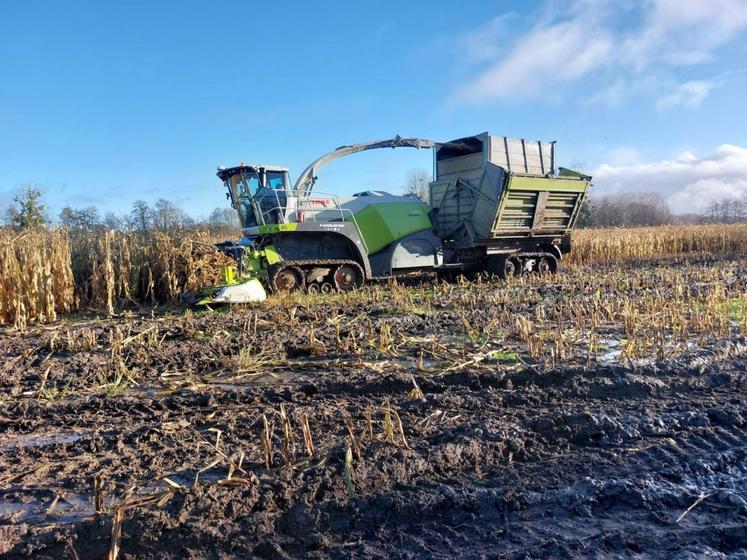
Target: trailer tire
[(543, 266), (502, 266)]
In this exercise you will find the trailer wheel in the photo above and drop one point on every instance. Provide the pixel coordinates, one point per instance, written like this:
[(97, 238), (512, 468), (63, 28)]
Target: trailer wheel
[(547, 265), (543, 267)]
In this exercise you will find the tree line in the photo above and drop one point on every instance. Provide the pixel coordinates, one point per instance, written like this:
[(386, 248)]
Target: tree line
[(651, 209), (28, 209), (625, 210), (727, 211)]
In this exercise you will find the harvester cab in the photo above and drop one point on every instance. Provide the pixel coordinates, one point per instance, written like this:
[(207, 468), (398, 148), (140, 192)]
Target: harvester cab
[(496, 205), (259, 193)]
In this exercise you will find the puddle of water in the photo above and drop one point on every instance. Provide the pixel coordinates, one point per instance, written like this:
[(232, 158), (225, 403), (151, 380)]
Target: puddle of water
[(67, 509), (37, 440), (73, 508), (614, 356), (9, 509), (242, 382), (610, 356), (613, 351), (414, 363), (308, 371)]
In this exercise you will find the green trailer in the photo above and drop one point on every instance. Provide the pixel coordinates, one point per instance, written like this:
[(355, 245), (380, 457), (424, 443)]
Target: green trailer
[(497, 205)]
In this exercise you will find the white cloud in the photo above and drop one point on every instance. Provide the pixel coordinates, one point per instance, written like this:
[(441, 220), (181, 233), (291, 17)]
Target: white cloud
[(486, 43), (682, 32), (690, 95), (690, 183), (625, 43), (612, 95), (564, 50)]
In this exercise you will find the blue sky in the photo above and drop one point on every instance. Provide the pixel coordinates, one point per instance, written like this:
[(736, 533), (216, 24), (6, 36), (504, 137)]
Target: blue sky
[(103, 103)]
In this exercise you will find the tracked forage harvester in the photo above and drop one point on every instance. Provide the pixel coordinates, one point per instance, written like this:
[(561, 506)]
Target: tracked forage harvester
[(496, 205)]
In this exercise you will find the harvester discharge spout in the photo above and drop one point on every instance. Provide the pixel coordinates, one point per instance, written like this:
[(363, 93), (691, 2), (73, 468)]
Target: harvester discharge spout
[(308, 177)]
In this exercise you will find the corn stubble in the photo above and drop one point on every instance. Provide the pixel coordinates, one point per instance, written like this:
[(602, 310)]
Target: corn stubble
[(45, 273)]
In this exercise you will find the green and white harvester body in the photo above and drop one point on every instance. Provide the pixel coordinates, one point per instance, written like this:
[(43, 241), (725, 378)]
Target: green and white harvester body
[(497, 205)]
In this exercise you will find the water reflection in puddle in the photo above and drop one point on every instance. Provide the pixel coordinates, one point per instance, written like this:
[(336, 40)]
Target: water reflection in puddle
[(39, 440), (61, 508)]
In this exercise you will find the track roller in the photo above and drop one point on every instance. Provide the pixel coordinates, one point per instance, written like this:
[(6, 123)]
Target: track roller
[(347, 277), (313, 288), (316, 276), (503, 266), (286, 278)]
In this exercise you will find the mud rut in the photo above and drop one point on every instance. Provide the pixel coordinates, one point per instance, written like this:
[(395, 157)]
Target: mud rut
[(525, 461)]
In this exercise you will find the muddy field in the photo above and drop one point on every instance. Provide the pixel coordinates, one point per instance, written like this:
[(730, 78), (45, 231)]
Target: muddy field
[(597, 413)]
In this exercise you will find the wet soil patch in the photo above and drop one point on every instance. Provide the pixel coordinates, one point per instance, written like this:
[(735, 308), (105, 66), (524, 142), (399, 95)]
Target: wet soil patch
[(420, 424)]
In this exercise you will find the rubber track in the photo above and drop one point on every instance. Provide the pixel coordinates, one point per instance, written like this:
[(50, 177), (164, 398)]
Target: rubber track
[(302, 264)]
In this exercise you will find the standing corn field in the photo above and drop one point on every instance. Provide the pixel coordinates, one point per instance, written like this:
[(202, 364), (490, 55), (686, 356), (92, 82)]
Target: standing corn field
[(47, 272), (592, 246), (36, 279), (115, 269)]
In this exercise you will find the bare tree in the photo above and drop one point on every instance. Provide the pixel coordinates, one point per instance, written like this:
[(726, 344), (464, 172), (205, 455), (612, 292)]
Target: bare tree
[(166, 215), (629, 209), (140, 217), (417, 184), (740, 210), (81, 218), (112, 221), (726, 211), (222, 216)]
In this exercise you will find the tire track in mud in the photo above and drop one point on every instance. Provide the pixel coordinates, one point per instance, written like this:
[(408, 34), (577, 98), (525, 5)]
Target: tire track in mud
[(648, 486), (525, 464), (709, 456)]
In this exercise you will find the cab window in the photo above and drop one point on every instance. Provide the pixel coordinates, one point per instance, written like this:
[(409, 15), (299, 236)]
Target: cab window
[(276, 180)]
